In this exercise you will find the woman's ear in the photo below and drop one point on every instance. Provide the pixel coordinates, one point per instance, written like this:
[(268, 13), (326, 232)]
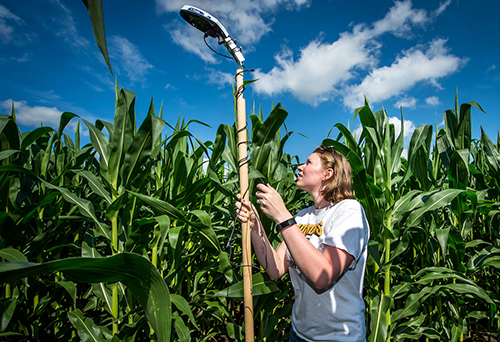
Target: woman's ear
[(328, 174)]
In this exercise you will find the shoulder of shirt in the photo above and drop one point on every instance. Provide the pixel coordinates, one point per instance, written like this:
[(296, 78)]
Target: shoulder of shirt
[(350, 204)]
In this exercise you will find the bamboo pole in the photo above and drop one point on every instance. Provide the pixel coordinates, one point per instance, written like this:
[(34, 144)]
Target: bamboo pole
[(246, 242)]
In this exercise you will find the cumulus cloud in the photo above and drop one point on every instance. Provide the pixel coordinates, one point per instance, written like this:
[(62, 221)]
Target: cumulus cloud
[(399, 21), (312, 78), (131, 61), (36, 116), (406, 102), (33, 116), (324, 70), (7, 22), (432, 101), (414, 66), (409, 126), (244, 17)]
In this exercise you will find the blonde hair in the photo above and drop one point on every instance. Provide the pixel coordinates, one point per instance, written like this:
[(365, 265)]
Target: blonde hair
[(339, 186)]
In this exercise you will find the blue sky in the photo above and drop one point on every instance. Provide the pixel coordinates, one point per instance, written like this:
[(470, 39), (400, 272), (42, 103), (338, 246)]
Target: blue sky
[(317, 58)]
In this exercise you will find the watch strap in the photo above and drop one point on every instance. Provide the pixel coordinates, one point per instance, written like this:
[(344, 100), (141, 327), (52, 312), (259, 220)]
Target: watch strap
[(287, 223)]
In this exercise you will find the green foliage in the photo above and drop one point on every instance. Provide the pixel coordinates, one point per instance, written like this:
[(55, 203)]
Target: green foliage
[(108, 235), (134, 271), (429, 214)]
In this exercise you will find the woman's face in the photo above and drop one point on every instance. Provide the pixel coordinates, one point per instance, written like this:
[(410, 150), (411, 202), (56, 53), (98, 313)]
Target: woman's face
[(311, 174)]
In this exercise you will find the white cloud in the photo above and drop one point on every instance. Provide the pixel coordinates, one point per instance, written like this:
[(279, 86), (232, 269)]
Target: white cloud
[(323, 70), (409, 126), (414, 66), (7, 14), (432, 101), (36, 116), (33, 116), (67, 28), (491, 68), (399, 20), (220, 78), (130, 58), (243, 19), (24, 58), (6, 29), (191, 40), (442, 7), (406, 102), (320, 67)]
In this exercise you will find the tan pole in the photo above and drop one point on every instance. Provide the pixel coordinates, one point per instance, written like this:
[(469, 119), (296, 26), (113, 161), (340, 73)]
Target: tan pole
[(246, 239)]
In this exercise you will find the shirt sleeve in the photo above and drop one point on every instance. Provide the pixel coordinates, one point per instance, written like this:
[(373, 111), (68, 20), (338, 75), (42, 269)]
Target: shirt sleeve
[(347, 229)]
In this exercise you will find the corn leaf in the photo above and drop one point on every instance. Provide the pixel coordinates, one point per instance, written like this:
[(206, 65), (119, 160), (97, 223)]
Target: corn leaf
[(94, 7), (261, 285), (133, 270), (85, 327)]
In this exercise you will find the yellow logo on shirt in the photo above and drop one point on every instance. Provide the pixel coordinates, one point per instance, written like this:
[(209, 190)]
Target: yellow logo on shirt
[(312, 229)]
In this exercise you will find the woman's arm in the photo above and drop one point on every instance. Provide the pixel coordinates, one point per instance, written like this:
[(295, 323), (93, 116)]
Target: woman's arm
[(320, 268), (274, 261)]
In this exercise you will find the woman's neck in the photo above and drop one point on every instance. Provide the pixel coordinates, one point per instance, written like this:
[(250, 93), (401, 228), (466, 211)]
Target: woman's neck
[(320, 202)]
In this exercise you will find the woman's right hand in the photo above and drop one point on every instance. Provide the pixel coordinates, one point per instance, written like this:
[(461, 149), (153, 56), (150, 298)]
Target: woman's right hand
[(246, 212)]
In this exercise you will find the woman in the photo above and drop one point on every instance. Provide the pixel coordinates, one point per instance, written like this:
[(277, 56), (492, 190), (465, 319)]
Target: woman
[(323, 249)]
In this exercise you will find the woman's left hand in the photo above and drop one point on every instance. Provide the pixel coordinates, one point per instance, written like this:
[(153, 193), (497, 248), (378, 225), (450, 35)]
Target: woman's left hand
[(272, 204)]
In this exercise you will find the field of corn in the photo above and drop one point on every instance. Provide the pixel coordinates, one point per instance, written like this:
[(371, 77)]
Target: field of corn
[(130, 237)]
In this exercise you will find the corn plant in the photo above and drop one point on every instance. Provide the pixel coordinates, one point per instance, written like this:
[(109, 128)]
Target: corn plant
[(52, 206)]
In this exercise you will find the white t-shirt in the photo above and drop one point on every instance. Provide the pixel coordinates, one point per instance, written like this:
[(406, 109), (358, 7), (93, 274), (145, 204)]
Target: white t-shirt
[(335, 313)]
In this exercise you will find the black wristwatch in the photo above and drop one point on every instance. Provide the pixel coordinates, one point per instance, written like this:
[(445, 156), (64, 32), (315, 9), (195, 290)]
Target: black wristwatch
[(287, 223)]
